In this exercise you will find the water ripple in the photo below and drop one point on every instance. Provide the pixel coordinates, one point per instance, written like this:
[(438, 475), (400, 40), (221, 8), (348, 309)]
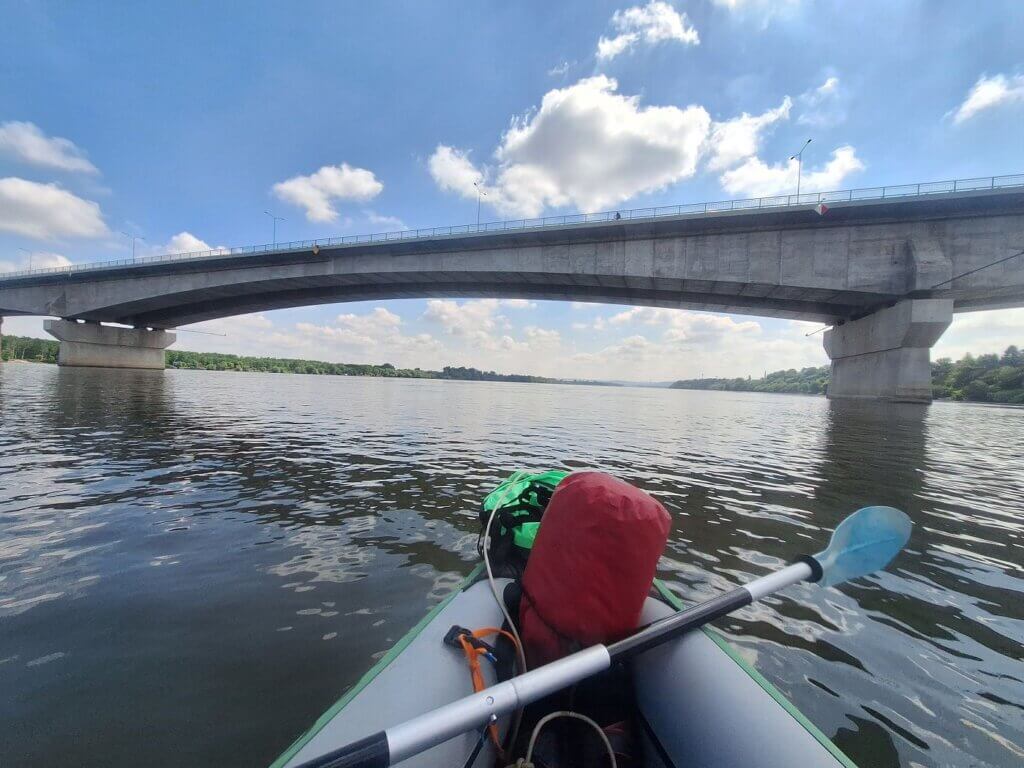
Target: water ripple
[(228, 552)]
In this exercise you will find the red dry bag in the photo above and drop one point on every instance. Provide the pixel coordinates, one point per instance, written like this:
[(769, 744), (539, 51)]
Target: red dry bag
[(591, 566)]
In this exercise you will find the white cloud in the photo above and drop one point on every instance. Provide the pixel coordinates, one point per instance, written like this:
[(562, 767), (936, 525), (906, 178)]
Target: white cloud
[(586, 146), (316, 192), (679, 344), (186, 242), (981, 333), (37, 260), (28, 144), (755, 178), (453, 171), (366, 330), (393, 223), (473, 320), (542, 338), (476, 329), (653, 23), (733, 140), (560, 70), (764, 10), (683, 326), (988, 93), (46, 212), (824, 105)]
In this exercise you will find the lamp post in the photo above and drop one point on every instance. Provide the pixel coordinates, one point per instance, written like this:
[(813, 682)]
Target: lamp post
[(276, 219), (479, 193), (133, 238), (799, 157), (26, 250)]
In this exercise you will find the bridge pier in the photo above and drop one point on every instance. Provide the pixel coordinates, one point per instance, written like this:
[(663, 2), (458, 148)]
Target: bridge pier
[(102, 346), (887, 355)]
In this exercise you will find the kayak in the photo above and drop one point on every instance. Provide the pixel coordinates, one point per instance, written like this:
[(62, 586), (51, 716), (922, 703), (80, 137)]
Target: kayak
[(697, 701)]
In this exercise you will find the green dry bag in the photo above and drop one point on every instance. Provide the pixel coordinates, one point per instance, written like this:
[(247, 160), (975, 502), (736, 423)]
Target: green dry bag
[(518, 504)]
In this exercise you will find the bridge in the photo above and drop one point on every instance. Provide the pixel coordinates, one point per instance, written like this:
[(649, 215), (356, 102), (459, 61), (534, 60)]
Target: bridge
[(885, 267)]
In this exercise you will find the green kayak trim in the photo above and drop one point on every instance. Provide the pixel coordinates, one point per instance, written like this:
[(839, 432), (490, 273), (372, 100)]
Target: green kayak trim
[(667, 595), (674, 600), (375, 670)]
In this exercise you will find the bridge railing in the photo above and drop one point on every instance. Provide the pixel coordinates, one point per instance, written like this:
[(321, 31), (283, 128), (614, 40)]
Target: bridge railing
[(692, 209)]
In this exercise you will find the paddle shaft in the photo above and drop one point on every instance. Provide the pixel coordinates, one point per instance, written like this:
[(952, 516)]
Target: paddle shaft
[(402, 741)]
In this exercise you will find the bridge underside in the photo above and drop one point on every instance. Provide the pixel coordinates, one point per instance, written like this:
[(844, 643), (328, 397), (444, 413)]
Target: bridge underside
[(886, 274), (174, 310)]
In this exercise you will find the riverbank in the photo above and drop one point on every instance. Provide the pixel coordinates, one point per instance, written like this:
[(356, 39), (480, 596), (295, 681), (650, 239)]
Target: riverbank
[(986, 378), (45, 351)]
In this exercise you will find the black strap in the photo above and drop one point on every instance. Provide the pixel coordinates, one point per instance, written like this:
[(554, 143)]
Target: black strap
[(816, 571)]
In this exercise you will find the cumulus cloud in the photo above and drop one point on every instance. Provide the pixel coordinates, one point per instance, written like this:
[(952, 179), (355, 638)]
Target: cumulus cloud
[(734, 140), (316, 191), (981, 332), (482, 332), (475, 321), (37, 260), (755, 178), (669, 344), (651, 24), (685, 327), (586, 146), (26, 143), (46, 211), (824, 105), (454, 171), (393, 223), (186, 242), (989, 93)]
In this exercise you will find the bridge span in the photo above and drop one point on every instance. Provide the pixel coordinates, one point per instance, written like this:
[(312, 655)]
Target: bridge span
[(887, 272)]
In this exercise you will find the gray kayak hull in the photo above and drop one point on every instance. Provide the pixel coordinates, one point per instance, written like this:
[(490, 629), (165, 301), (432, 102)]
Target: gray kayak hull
[(701, 704)]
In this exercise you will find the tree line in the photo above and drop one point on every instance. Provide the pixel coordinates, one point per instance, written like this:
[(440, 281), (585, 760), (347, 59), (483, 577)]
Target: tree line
[(985, 378), (45, 351)]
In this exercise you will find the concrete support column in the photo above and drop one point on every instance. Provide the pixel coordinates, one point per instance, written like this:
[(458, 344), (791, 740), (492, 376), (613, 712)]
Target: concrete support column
[(1, 338), (886, 355), (103, 346)]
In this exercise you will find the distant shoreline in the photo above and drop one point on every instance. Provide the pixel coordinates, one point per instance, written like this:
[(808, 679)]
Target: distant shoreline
[(32, 350), (988, 378)]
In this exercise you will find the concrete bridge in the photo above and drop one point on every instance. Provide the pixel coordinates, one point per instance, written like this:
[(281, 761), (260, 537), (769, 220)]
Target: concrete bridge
[(887, 270)]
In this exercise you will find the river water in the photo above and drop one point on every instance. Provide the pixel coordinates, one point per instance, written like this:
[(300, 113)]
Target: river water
[(194, 565)]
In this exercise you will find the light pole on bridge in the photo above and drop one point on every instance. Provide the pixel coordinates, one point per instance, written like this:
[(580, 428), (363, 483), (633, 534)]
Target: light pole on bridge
[(133, 238), (26, 250), (799, 157), (479, 193), (276, 219)]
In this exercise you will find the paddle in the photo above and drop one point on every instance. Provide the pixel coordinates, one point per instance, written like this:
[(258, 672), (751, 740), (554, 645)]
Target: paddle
[(864, 542)]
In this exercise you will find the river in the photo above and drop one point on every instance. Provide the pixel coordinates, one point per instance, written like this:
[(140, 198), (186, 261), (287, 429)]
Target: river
[(194, 565)]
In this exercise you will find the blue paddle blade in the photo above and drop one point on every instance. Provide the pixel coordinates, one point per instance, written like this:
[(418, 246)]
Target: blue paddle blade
[(864, 542)]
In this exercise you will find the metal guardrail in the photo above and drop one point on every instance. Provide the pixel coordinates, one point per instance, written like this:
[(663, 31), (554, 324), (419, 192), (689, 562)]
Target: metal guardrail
[(512, 225)]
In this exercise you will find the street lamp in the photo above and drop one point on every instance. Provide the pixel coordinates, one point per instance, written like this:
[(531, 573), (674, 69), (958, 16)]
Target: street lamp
[(26, 250), (799, 157), (133, 238), (276, 219), (479, 193)]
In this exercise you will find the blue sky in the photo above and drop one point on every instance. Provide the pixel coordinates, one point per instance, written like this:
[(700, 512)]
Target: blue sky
[(181, 125)]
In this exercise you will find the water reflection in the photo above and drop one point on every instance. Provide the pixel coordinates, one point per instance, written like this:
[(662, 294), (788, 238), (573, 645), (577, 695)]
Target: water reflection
[(226, 553)]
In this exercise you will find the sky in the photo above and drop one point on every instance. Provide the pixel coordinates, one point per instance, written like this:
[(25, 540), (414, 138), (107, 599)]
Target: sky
[(173, 128)]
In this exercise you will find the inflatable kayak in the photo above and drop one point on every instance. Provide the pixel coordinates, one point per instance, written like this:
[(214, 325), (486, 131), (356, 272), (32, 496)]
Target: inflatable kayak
[(697, 702)]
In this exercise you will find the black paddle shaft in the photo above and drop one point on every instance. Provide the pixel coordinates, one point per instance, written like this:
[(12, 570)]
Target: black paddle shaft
[(680, 623)]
